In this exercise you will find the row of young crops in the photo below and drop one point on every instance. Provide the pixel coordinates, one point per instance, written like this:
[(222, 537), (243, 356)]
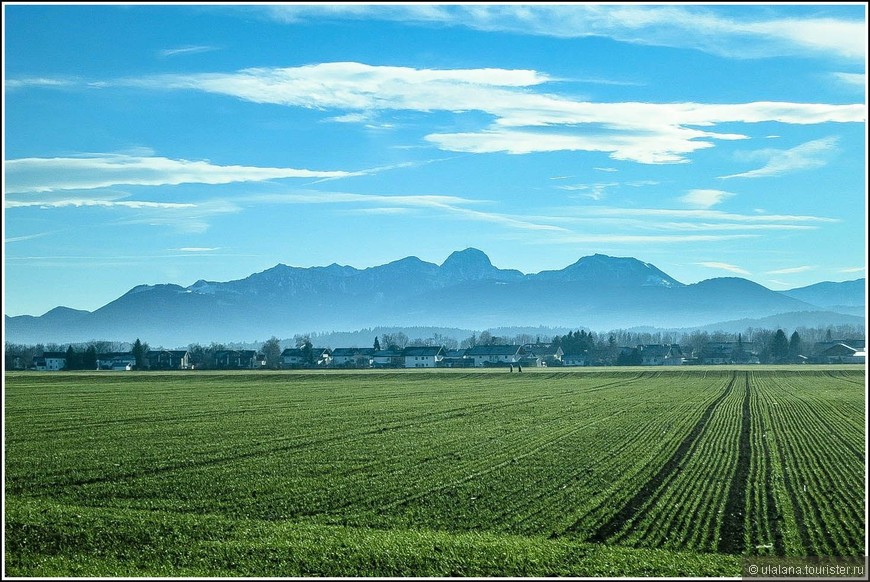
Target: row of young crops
[(719, 461)]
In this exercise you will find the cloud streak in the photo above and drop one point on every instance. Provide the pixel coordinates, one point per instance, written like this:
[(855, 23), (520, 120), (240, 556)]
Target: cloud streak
[(35, 175), (186, 50), (741, 33), (724, 267), (791, 270), (525, 120), (705, 198), (812, 154)]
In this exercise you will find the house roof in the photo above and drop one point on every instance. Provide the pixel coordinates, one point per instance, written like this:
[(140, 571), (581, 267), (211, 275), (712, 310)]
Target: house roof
[(387, 353), (422, 351), (508, 350), (297, 352), (174, 353), (350, 352), (840, 350), (543, 349), (242, 353)]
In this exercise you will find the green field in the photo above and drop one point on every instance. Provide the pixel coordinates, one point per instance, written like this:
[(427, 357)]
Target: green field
[(625, 472)]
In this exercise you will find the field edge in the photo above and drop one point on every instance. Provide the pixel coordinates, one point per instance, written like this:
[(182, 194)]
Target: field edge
[(47, 539)]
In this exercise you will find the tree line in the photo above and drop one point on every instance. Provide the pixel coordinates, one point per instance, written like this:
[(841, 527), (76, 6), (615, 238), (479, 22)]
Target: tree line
[(771, 346)]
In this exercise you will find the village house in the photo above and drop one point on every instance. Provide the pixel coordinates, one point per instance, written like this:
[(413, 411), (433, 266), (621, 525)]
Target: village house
[(495, 355), (660, 355), (235, 359), (728, 353), (423, 357), (574, 359), (841, 353), (297, 357), (50, 361), (389, 358), (116, 361), (542, 354), (456, 359), (352, 357), (168, 359)]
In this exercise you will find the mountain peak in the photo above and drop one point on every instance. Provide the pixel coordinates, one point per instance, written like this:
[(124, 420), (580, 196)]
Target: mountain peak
[(470, 257), (613, 271)]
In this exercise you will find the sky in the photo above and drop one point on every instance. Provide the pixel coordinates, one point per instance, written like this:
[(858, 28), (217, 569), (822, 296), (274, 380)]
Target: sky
[(148, 144)]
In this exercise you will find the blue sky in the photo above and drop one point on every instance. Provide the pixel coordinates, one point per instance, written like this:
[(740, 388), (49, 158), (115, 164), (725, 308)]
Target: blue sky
[(153, 144)]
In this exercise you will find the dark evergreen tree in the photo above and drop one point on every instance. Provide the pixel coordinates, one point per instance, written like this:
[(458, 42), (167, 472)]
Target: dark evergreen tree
[(794, 347), (89, 359), (139, 352), (377, 345), (779, 347)]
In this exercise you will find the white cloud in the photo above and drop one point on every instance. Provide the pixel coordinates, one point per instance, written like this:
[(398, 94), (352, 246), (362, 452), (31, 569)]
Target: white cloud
[(743, 33), (651, 239), (641, 132), (33, 175), (36, 82), (724, 267), (791, 270), (852, 270), (186, 50), (196, 249), (858, 80), (525, 120), (812, 154), (25, 237), (592, 191), (87, 202), (647, 213), (701, 198)]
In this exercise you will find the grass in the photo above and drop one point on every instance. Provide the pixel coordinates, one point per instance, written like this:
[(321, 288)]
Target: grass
[(430, 473)]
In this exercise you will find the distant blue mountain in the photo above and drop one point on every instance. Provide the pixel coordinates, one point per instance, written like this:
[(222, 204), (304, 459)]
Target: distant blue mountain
[(466, 291), (828, 294)]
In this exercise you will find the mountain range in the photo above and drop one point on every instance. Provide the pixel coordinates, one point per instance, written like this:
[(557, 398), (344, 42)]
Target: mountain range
[(466, 291)]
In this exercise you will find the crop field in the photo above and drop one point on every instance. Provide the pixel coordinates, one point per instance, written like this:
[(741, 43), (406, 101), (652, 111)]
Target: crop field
[(602, 472)]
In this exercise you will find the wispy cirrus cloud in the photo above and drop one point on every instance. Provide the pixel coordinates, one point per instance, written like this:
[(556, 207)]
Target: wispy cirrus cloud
[(812, 154), (791, 270), (701, 198), (454, 206), (700, 214), (196, 249), (853, 270), (857, 80), (38, 82), (186, 50), (87, 202), (724, 267), (35, 175), (525, 119), (743, 32)]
